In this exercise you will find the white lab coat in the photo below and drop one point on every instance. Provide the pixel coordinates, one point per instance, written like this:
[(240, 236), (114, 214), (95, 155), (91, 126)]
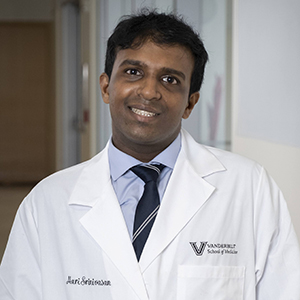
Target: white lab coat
[(223, 232)]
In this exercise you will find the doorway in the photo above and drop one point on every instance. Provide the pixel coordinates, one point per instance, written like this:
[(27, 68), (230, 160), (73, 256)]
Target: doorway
[(27, 105)]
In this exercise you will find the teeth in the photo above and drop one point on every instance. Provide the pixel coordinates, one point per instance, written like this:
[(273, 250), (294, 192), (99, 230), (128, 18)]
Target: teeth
[(143, 112)]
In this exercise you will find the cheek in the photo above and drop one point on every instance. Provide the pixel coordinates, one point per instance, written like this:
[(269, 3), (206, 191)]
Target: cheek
[(120, 94), (127, 89), (121, 87), (178, 108)]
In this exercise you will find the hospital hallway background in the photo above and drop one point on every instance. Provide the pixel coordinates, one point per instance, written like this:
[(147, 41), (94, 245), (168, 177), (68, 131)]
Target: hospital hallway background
[(11, 197)]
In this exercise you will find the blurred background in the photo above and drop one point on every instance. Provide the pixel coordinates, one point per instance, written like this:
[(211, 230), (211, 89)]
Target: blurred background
[(52, 116)]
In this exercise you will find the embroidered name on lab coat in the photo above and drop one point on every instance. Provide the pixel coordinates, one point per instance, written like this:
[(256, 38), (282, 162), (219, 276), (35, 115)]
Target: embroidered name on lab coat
[(87, 281)]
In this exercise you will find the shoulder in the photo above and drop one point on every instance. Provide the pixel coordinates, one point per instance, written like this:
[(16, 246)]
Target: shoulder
[(207, 156), (233, 160), (58, 187)]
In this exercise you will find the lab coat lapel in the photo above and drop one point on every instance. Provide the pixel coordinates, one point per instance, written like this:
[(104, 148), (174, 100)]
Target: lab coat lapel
[(105, 222), (187, 191)]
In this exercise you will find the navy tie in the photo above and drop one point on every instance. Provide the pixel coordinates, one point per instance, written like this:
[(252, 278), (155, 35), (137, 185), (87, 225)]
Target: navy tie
[(147, 207)]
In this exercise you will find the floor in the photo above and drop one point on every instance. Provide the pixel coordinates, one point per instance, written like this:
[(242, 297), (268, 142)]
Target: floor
[(10, 199)]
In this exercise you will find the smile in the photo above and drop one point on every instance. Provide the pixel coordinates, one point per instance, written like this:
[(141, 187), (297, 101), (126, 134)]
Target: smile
[(143, 112)]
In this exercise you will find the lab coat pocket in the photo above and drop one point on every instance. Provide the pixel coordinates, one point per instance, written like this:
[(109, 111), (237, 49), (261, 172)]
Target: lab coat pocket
[(210, 282)]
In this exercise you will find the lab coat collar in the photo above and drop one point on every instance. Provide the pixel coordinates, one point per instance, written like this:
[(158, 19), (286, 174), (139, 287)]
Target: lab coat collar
[(96, 170), (95, 173), (186, 192), (105, 222), (201, 159)]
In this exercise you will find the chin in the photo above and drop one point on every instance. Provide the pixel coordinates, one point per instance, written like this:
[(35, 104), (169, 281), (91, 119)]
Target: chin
[(144, 139), (149, 139)]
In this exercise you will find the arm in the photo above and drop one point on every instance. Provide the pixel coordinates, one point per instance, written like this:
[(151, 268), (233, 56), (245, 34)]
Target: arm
[(20, 276), (277, 248)]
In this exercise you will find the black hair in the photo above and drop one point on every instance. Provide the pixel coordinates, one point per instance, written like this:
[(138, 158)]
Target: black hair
[(134, 30)]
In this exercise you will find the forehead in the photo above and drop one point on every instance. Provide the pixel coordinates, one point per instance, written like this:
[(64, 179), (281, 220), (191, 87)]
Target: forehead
[(156, 56)]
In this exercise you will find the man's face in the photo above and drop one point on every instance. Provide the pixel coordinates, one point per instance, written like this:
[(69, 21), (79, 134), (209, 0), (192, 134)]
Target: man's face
[(148, 95)]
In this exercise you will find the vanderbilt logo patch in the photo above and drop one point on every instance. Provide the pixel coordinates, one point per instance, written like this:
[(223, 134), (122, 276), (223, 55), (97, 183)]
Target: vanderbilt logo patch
[(198, 250), (213, 248)]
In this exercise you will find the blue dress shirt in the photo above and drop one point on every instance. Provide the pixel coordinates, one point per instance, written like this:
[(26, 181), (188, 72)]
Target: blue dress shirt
[(128, 186)]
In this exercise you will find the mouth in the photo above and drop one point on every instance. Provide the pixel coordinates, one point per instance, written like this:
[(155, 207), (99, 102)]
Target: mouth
[(143, 113)]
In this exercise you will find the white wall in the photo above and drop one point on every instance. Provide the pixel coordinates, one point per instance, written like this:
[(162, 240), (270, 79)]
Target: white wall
[(266, 102)]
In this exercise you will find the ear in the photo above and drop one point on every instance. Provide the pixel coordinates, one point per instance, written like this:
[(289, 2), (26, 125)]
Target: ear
[(104, 83), (191, 103)]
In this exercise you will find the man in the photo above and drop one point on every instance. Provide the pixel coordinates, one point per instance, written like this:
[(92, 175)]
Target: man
[(221, 229)]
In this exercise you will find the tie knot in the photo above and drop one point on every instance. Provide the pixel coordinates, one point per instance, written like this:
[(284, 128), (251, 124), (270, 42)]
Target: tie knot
[(148, 172)]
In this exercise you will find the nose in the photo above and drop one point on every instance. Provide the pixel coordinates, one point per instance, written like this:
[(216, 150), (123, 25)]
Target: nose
[(149, 89)]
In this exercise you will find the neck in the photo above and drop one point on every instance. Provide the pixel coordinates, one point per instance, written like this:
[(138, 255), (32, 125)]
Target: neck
[(143, 153)]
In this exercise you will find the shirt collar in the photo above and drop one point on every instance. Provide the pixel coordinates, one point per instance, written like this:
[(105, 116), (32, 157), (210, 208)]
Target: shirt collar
[(120, 162)]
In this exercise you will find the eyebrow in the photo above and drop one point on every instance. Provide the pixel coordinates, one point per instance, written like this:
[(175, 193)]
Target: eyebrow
[(133, 62)]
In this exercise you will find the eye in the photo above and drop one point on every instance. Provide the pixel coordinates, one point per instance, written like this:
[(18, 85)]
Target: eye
[(170, 79), (133, 72)]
